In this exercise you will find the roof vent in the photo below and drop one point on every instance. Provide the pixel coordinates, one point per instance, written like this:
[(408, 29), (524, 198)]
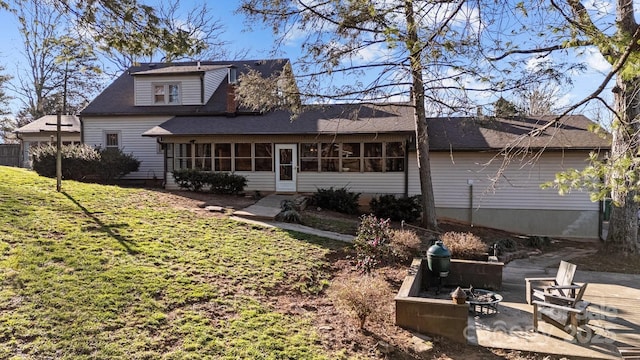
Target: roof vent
[(259, 62)]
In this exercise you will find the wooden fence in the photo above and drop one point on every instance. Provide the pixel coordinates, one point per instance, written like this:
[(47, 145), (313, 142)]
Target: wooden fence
[(10, 155)]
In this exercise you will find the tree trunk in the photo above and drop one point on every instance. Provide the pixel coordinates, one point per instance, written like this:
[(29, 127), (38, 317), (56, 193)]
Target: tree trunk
[(623, 225), (429, 219)]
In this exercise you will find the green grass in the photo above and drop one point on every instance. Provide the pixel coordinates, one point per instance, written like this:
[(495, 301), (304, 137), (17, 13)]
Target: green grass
[(102, 272)]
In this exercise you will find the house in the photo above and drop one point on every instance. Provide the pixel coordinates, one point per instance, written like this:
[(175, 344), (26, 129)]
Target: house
[(42, 131), (185, 115)]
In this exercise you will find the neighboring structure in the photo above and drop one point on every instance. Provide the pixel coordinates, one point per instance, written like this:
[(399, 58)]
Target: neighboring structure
[(185, 115), (43, 131)]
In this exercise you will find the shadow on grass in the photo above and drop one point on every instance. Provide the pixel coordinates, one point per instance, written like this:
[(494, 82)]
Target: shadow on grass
[(101, 226)]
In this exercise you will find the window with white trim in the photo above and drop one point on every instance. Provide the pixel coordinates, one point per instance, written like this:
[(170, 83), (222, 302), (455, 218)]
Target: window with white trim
[(203, 157), (263, 157), (112, 139), (309, 157), (222, 157), (242, 152), (166, 94)]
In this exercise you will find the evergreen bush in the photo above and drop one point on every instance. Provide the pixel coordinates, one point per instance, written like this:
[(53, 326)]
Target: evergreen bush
[(217, 183), (82, 162), (396, 209), (340, 200)]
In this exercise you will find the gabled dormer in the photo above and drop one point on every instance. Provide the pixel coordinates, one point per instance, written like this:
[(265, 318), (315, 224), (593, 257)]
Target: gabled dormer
[(180, 84)]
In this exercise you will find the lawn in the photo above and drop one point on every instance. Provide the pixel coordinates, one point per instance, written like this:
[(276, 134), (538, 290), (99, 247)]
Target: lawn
[(104, 272)]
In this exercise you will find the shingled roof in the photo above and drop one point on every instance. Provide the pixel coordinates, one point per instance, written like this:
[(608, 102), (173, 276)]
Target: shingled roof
[(47, 123), (492, 133), (118, 98), (445, 134)]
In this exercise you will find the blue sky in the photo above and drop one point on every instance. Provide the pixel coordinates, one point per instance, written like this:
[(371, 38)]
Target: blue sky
[(260, 41)]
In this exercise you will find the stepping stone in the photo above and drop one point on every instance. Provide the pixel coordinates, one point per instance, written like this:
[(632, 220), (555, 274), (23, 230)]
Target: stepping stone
[(214, 208)]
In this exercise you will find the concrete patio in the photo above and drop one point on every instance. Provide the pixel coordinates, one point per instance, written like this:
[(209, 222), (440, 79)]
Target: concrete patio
[(615, 312)]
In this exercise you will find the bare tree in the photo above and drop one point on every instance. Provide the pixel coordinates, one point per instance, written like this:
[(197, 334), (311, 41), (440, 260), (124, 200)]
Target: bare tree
[(566, 28), (7, 125), (39, 78)]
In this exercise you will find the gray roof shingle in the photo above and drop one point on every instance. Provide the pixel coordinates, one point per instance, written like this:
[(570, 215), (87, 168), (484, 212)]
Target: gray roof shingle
[(70, 123), (118, 98), (445, 134)]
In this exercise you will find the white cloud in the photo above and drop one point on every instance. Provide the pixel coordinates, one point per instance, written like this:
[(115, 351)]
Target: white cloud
[(596, 61), (537, 62), (601, 7)]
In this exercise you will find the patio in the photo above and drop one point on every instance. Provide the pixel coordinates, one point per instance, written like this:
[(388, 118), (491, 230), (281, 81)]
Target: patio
[(615, 313)]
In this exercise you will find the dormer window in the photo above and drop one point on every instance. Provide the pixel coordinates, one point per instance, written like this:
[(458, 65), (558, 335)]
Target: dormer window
[(166, 94)]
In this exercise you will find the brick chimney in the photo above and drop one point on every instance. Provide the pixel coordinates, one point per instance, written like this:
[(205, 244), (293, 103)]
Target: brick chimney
[(232, 106)]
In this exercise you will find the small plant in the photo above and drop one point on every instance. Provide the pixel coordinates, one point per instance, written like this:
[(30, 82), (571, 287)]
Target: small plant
[(403, 208), (289, 212), (340, 200), (372, 243), (364, 298), (405, 244), (538, 242), (464, 245), (504, 245)]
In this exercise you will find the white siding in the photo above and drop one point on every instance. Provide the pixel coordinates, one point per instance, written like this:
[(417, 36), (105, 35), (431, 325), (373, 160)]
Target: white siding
[(256, 181), (518, 187), (213, 79), (190, 93), (131, 140), (369, 183)]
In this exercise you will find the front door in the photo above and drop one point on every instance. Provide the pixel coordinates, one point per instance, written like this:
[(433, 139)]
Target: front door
[(286, 167)]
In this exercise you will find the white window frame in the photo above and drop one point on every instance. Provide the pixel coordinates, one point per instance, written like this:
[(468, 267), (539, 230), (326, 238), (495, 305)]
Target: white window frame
[(118, 135), (166, 93)]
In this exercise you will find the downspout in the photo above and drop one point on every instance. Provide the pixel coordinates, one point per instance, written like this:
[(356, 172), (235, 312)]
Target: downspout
[(164, 162), (601, 205), (470, 182), (81, 129), (406, 168)]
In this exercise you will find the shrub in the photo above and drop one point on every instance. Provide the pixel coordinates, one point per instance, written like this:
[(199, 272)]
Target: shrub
[(372, 243), (464, 245), (114, 164), (539, 242), (504, 245), (217, 183), (340, 200), (78, 161), (405, 244), (364, 298), (289, 213), (403, 208)]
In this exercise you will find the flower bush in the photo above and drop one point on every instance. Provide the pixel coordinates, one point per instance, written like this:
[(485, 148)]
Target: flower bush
[(372, 243)]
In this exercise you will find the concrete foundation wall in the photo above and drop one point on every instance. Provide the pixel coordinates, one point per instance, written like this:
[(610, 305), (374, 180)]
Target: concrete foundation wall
[(560, 223)]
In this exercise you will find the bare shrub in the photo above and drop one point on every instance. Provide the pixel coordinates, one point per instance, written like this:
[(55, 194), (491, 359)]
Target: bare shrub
[(464, 245), (365, 297), (405, 244)]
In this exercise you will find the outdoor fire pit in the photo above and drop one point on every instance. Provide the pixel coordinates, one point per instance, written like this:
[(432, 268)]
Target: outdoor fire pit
[(482, 302)]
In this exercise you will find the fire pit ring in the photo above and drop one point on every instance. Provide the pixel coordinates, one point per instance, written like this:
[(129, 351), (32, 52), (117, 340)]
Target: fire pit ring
[(482, 302)]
